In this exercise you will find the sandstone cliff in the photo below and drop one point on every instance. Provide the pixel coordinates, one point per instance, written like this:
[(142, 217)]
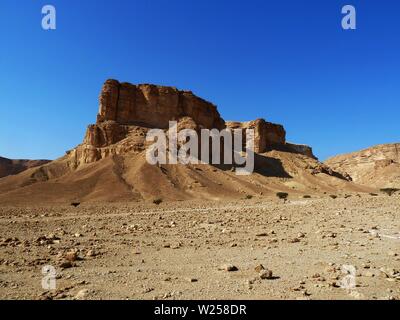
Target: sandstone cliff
[(270, 136)]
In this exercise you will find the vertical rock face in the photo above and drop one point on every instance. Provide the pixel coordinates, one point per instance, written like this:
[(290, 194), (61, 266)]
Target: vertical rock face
[(154, 106), (267, 135), (270, 136)]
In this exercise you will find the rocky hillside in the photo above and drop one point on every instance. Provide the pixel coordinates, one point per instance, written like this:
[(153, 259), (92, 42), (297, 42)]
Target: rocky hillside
[(11, 167), (110, 163), (377, 166)]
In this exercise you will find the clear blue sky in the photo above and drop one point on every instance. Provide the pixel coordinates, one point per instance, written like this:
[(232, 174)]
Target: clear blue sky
[(289, 62)]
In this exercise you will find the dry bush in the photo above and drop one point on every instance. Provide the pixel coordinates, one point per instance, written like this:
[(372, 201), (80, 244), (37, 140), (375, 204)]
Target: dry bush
[(157, 201), (282, 195)]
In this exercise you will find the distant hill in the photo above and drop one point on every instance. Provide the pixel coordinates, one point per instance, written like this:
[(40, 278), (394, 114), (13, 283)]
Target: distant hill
[(12, 167), (378, 166)]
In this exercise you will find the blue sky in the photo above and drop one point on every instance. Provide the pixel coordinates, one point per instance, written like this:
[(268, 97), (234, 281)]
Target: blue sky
[(289, 62)]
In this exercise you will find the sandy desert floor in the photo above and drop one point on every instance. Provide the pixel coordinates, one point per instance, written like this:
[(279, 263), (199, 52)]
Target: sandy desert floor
[(181, 250)]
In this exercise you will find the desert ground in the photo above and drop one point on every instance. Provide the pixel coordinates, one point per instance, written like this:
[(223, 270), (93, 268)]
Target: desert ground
[(204, 250)]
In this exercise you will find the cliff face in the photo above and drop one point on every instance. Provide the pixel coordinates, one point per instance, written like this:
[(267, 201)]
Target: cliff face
[(12, 167), (378, 166), (270, 136), (266, 134), (154, 106)]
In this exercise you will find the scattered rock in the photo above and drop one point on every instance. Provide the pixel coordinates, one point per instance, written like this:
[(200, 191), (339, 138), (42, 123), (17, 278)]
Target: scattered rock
[(66, 264), (82, 294), (228, 267), (263, 234), (71, 256), (265, 274), (91, 253)]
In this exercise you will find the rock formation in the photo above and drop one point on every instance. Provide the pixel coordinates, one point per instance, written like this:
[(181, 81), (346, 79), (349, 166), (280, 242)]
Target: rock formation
[(127, 111), (270, 136), (267, 135), (153, 106), (378, 166)]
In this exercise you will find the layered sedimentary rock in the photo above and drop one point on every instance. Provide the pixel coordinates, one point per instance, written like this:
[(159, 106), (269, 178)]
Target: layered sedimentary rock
[(378, 166), (127, 112), (269, 136), (154, 106)]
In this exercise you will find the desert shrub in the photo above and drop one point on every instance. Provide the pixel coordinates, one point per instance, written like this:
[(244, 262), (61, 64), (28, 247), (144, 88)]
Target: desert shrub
[(373, 194), (249, 196), (157, 201), (307, 196), (347, 196), (282, 195), (389, 191), (75, 204), (333, 196)]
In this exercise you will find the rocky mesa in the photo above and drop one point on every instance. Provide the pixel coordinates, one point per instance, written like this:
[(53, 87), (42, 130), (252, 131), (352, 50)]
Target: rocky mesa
[(127, 111)]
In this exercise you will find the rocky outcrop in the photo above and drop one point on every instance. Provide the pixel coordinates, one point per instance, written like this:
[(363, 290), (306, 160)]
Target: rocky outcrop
[(299, 148), (12, 167), (378, 166), (270, 136), (154, 106), (267, 135), (127, 112)]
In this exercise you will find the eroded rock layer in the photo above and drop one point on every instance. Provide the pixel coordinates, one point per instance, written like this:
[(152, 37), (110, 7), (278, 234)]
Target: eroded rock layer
[(378, 166)]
